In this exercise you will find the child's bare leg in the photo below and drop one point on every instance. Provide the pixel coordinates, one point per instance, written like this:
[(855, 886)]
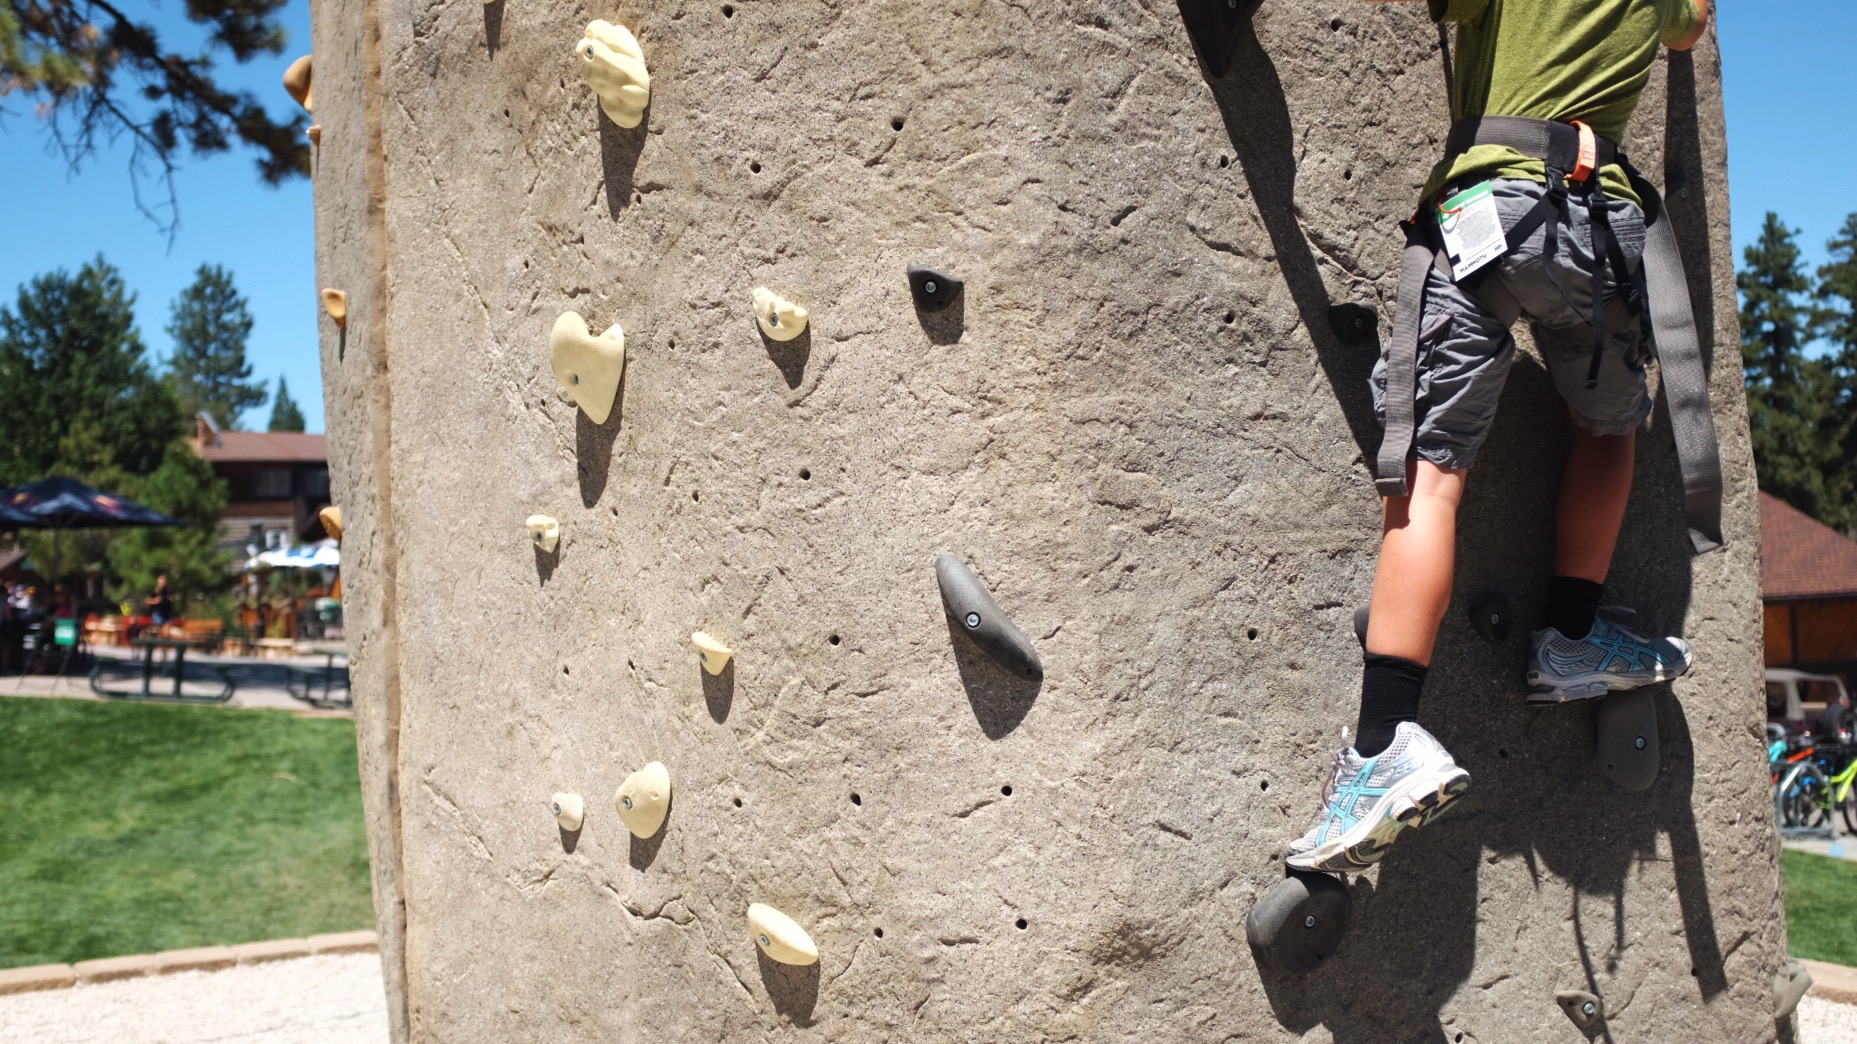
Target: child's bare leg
[(1418, 548), (1593, 491)]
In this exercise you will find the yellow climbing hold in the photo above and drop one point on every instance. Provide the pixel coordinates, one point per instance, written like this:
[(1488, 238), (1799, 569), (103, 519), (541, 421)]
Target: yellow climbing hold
[(569, 811), (780, 319), (644, 799), (331, 517), (335, 302), (297, 82), (714, 654), (613, 65), (780, 937), (588, 367), (545, 531)]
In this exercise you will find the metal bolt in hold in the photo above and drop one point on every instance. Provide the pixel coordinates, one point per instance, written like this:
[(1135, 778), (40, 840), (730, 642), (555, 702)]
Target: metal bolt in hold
[(626, 801), (973, 619), (1640, 743), (557, 807), (1233, 4), (1589, 1008), (1309, 921), (1495, 618), (765, 942), (928, 287), (773, 318), (1359, 321)]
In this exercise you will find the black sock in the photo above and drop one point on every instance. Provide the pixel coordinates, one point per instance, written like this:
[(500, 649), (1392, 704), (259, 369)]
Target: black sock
[(1572, 604), (1389, 695)]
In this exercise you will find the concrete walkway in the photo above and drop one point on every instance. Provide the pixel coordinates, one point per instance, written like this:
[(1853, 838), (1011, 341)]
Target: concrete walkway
[(259, 683), (335, 999), (1841, 848)]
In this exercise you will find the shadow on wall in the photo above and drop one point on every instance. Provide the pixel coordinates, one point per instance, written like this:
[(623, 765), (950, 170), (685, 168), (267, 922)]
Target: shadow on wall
[(1413, 938), (1257, 119), (1000, 698)]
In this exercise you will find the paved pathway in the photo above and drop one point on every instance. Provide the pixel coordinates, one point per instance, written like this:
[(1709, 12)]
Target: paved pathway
[(1842, 848), (260, 683), (311, 1000)]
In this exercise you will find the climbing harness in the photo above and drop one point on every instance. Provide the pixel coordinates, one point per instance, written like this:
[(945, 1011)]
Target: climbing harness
[(1571, 151)]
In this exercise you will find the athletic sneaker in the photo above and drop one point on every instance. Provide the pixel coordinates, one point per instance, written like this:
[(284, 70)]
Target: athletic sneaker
[(1368, 801), (1611, 657)]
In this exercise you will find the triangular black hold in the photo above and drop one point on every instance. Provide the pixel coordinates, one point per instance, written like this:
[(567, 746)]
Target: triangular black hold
[(1491, 616), (932, 290), (1213, 26), (1354, 324)]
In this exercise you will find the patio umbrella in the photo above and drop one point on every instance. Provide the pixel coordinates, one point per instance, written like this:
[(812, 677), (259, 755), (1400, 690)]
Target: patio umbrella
[(62, 503), (10, 518), (320, 555)]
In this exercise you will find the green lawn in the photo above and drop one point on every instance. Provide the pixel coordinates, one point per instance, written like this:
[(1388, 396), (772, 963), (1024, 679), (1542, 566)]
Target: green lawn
[(1821, 907), (132, 828)]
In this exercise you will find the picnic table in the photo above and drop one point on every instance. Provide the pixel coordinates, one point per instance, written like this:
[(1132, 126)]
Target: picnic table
[(149, 645), (328, 675)]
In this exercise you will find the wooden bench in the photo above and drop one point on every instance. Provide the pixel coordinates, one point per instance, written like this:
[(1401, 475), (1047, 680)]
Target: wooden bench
[(204, 635)]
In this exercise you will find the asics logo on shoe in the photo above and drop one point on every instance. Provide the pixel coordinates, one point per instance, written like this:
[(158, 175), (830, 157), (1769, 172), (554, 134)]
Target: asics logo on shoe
[(1633, 653)]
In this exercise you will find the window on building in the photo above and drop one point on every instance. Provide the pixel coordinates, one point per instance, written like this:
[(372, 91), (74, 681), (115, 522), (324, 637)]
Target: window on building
[(274, 483), (316, 483)]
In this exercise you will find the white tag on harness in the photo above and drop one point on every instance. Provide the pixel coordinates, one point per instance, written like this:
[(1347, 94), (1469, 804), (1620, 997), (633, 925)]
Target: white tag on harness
[(1472, 230)]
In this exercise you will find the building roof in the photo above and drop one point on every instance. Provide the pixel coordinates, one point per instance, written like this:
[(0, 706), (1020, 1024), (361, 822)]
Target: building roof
[(257, 447), (1801, 557)]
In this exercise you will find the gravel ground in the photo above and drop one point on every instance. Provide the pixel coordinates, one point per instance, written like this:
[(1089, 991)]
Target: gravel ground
[(339, 1000), (311, 1000), (1823, 1022)]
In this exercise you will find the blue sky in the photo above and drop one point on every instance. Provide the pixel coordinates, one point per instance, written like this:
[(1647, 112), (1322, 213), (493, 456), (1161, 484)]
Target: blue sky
[(1792, 148)]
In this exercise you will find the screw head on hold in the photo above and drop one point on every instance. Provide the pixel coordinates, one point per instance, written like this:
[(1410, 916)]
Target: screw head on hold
[(1309, 921), (928, 287), (973, 619), (1359, 322), (626, 801), (1231, 3), (556, 806), (765, 941), (1640, 743), (773, 318), (1589, 1008)]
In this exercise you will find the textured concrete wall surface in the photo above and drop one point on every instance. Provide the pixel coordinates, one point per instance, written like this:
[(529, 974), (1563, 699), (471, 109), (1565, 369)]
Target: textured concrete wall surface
[(1135, 425)]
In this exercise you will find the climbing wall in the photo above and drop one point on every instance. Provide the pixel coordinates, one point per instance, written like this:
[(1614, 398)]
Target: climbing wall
[(1134, 424)]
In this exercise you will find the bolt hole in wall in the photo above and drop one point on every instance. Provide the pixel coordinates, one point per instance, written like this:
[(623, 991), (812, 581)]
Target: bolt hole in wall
[(1020, 923), (694, 495), (805, 474), (856, 799), (754, 167), (1335, 25), (896, 124), (728, 11), (1502, 752), (833, 639), (738, 802), (1251, 634), (1230, 318), (1224, 161), (1006, 791), (1263, 784), (878, 933)]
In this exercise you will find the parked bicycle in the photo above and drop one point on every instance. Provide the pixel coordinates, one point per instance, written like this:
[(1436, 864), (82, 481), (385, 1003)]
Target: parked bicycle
[(1811, 781)]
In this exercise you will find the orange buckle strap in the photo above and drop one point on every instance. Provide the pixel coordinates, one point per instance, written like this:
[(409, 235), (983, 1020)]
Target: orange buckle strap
[(1589, 154)]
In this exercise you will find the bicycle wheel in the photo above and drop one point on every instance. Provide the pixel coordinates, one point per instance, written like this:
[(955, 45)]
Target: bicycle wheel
[(1849, 809), (1803, 800)]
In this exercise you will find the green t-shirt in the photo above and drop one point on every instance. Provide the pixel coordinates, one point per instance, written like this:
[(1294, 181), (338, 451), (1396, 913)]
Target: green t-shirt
[(1563, 60)]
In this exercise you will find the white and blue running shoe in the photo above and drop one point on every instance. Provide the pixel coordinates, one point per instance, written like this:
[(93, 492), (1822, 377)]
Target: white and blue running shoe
[(1368, 801), (1611, 657)]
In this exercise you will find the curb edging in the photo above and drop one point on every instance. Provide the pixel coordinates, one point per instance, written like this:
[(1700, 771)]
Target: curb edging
[(200, 958)]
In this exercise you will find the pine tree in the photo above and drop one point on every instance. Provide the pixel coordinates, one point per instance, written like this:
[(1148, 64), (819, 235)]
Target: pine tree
[(209, 324), (185, 487), (96, 74), (1789, 396), (285, 414), (69, 349), (1837, 317)]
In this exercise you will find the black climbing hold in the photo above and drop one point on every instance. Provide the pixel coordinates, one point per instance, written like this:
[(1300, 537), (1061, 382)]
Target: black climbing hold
[(932, 290), (1490, 615), (1360, 625), (1625, 748), (1585, 1009), (977, 615), (1213, 26), (1297, 924), (1354, 324), (1788, 987)]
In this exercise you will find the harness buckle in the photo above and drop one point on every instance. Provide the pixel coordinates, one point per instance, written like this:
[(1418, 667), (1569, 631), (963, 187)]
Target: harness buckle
[(1589, 153)]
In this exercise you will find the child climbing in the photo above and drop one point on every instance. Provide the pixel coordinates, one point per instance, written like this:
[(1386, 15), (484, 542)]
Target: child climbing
[(1533, 212)]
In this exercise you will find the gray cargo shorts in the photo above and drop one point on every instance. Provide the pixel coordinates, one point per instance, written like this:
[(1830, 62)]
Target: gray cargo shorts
[(1465, 350)]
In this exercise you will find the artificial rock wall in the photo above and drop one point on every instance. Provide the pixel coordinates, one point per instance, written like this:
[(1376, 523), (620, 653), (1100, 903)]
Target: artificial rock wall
[(1136, 425)]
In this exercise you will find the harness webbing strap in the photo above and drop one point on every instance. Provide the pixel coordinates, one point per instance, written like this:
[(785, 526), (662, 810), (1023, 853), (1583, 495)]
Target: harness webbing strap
[(1402, 367), (1659, 284), (1665, 294)]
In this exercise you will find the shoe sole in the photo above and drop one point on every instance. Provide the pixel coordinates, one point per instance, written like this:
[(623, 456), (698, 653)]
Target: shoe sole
[(1591, 686), (1396, 814)]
